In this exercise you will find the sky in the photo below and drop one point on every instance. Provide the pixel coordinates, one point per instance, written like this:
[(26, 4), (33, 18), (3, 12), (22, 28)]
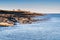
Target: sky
[(39, 6)]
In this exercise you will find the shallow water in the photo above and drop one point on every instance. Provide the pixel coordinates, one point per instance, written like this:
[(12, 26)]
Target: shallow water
[(43, 30)]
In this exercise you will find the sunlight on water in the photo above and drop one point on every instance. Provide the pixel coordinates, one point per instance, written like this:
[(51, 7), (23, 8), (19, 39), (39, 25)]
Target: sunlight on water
[(43, 30)]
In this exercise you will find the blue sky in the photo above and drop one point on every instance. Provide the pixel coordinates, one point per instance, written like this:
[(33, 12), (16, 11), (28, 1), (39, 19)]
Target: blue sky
[(44, 6)]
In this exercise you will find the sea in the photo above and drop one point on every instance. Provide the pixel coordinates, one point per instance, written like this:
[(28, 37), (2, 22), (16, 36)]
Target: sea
[(41, 30)]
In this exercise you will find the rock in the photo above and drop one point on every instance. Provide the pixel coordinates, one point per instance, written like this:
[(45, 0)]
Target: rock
[(8, 18), (5, 24)]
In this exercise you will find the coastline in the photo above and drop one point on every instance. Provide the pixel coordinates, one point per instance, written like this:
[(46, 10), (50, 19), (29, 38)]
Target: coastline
[(20, 16)]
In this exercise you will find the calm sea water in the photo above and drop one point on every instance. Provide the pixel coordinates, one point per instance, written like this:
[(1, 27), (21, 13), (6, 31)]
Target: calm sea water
[(41, 30)]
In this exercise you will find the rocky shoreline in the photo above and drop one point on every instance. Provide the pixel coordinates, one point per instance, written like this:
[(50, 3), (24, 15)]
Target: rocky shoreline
[(8, 18)]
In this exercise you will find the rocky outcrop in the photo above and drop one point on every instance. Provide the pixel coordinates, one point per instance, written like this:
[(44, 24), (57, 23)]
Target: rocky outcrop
[(10, 17)]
